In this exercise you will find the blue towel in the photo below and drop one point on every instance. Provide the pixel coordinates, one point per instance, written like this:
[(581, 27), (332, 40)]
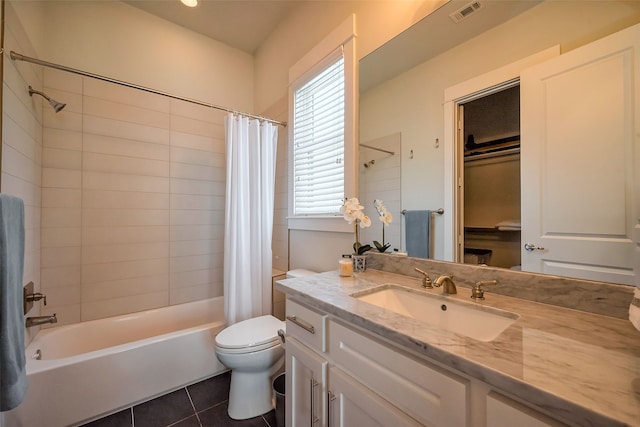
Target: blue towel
[(13, 376), (417, 227)]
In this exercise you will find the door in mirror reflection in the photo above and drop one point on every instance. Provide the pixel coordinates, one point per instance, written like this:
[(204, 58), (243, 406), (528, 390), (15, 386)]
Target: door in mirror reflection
[(579, 123)]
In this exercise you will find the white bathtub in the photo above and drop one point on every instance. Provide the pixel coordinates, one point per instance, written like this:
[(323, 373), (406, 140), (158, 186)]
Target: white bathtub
[(94, 368)]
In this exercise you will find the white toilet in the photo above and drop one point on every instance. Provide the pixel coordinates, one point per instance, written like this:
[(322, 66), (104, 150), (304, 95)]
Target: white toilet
[(253, 351)]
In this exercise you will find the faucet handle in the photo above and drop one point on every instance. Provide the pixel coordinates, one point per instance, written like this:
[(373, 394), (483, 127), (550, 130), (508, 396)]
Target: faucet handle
[(477, 292), (426, 281)]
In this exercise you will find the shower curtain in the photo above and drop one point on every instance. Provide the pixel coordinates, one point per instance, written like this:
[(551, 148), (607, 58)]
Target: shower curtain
[(251, 164)]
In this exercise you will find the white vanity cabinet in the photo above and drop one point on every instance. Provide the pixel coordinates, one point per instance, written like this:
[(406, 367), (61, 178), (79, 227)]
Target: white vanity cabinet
[(306, 367), (502, 411), (339, 375)]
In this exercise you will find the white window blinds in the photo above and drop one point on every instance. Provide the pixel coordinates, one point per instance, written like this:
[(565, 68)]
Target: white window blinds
[(318, 143)]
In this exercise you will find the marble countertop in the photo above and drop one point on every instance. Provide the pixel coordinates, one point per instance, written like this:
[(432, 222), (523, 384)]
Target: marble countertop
[(580, 367)]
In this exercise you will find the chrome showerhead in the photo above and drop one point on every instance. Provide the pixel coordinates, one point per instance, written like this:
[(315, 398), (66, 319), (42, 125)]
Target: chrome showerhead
[(369, 163), (57, 106)]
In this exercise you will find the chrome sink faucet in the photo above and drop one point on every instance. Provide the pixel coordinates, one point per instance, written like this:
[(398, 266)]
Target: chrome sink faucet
[(448, 286), (426, 281)]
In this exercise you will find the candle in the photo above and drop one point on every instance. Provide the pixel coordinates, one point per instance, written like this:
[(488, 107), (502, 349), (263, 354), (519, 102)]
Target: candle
[(346, 267)]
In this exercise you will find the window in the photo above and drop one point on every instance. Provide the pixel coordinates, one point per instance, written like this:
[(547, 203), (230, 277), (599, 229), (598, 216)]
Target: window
[(318, 143), (322, 132)]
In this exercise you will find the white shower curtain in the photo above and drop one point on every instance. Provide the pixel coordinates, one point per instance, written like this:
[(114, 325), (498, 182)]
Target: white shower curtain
[(251, 164)]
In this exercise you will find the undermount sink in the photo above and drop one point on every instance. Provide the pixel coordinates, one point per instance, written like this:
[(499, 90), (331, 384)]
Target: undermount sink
[(469, 319)]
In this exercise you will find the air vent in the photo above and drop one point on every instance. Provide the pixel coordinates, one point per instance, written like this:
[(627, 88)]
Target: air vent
[(465, 11)]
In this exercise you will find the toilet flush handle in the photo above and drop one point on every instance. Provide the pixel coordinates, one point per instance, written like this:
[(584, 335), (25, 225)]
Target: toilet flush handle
[(281, 335)]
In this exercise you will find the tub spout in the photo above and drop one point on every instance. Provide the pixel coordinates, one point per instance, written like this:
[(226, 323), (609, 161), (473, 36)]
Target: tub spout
[(41, 320)]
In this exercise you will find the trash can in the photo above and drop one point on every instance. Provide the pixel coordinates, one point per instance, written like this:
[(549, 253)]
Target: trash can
[(279, 393)]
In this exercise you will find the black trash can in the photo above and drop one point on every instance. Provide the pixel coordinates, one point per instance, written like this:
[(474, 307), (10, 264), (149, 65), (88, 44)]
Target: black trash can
[(279, 393)]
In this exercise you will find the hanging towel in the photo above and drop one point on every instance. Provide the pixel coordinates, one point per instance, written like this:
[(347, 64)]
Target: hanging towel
[(417, 227), (634, 309), (13, 377)]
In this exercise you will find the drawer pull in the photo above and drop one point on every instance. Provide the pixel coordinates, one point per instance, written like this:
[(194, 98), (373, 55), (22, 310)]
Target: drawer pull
[(304, 325)]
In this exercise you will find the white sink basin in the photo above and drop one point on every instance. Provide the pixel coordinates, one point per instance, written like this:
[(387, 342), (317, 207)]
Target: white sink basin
[(472, 320)]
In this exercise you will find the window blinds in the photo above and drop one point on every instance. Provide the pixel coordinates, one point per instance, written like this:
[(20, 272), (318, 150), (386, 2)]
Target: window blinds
[(318, 138)]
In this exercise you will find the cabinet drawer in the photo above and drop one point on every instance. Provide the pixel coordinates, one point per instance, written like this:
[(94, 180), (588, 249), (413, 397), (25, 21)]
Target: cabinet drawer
[(307, 325), (426, 393)]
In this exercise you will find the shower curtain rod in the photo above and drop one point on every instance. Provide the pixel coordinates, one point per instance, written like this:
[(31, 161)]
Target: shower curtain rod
[(19, 57)]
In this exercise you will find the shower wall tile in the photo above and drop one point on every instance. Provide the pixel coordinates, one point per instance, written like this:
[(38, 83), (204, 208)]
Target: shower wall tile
[(122, 270), (53, 277), (60, 257), (110, 92), (124, 165), (62, 81), (103, 199), (61, 178), (122, 182), (124, 252), (125, 113), (119, 129), (113, 235), (91, 310), (62, 139), (99, 291), (56, 237), (61, 159), (125, 147)]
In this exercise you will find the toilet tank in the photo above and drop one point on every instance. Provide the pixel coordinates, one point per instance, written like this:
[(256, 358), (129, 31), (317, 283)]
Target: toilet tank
[(299, 273)]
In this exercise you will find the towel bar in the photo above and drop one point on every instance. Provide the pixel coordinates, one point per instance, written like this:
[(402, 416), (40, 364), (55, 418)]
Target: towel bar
[(438, 211)]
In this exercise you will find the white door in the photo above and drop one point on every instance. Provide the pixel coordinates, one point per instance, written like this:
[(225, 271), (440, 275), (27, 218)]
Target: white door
[(306, 386), (579, 123)]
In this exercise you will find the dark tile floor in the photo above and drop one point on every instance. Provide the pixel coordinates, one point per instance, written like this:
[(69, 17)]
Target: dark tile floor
[(203, 404)]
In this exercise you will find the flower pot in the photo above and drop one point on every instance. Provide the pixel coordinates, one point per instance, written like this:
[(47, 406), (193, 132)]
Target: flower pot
[(359, 263)]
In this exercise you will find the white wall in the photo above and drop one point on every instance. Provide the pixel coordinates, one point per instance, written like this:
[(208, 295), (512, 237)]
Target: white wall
[(114, 39)]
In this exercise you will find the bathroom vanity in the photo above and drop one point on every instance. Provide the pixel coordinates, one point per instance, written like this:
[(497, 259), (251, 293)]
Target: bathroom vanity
[(358, 355)]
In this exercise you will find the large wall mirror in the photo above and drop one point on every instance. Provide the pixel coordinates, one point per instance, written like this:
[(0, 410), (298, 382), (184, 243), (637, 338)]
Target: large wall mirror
[(403, 148)]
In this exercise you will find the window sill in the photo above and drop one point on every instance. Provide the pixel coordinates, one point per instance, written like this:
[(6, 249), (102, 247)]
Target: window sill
[(335, 224)]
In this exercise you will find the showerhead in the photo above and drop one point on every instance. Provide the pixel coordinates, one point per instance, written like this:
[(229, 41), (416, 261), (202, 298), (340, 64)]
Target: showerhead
[(57, 106), (369, 163)]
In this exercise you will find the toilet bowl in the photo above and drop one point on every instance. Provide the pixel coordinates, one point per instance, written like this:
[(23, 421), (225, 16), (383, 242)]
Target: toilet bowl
[(252, 350)]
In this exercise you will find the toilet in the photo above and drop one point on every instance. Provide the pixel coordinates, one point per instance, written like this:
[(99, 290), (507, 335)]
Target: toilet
[(253, 351)]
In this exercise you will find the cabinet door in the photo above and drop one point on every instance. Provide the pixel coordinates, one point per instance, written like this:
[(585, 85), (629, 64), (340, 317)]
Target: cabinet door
[(353, 405), (305, 397), (502, 411), (580, 122)]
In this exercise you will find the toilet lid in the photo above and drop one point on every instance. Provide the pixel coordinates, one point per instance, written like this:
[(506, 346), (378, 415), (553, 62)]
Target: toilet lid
[(251, 333)]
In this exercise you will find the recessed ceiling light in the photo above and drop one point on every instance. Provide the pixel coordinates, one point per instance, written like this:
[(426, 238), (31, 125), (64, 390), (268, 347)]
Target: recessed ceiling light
[(190, 3)]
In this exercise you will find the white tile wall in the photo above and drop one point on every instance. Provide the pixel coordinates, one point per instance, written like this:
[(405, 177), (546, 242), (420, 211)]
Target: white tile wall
[(22, 146), (133, 200)]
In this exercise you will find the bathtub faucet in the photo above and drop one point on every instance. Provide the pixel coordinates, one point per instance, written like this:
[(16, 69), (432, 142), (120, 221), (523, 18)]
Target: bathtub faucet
[(41, 320)]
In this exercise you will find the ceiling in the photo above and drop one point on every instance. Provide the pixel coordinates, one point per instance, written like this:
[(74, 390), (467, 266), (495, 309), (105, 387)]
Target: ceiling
[(243, 24)]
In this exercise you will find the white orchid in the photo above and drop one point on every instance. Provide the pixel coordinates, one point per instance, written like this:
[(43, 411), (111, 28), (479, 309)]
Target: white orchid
[(385, 217), (352, 211)]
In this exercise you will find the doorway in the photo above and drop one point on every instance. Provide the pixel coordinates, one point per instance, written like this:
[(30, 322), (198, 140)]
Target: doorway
[(489, 166)]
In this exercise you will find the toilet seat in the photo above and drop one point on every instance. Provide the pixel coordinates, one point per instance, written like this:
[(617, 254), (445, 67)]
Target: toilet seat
[(255, 334)]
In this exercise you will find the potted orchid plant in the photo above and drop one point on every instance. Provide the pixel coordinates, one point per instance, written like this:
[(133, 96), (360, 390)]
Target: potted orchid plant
[(353, 211), (385, 217)]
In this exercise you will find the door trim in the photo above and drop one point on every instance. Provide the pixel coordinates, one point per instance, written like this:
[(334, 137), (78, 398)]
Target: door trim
[(482, 85)]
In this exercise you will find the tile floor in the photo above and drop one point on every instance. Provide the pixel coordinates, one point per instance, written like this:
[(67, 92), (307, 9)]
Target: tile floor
[(203, 404)]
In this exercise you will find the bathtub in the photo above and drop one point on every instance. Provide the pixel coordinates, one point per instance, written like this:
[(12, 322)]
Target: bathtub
[(94, 368)]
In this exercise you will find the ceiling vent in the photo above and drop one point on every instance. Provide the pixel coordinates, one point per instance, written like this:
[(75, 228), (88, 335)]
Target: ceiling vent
[(465, 11)]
